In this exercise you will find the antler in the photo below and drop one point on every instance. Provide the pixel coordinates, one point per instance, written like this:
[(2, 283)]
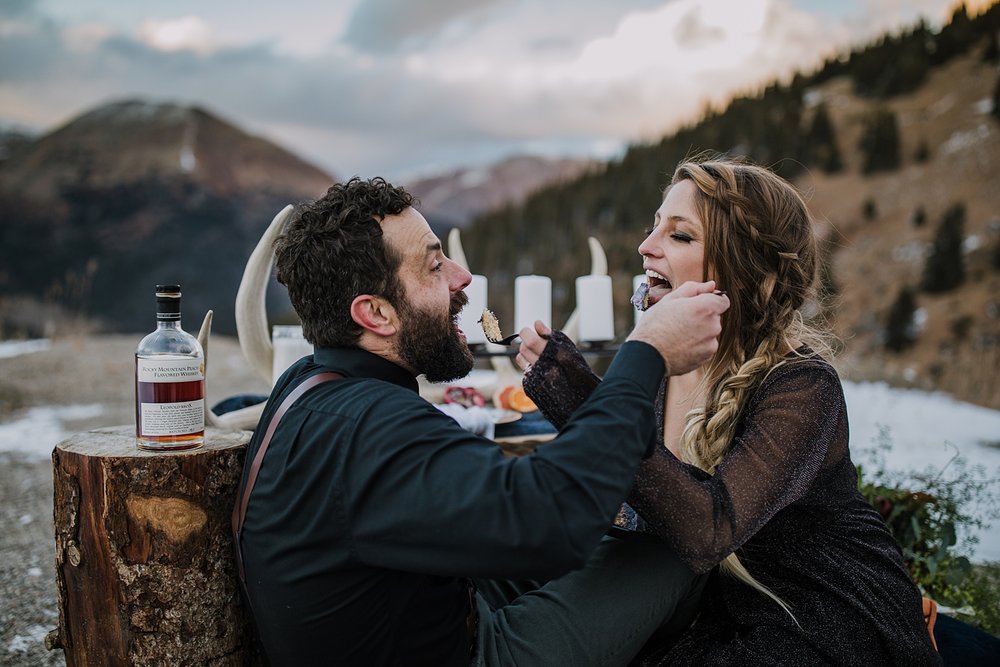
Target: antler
[(244, 419), (203, 335), (251, 324), (455, 250), (251, 310)]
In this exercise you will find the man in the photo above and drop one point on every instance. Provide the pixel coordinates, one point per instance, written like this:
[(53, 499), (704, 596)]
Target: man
[(372, 509)]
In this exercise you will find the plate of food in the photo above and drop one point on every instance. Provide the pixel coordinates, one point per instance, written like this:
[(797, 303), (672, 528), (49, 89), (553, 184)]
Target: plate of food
[(502, 416)]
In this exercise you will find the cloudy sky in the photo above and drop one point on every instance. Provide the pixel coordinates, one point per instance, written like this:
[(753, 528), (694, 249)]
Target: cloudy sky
[(409, 87)]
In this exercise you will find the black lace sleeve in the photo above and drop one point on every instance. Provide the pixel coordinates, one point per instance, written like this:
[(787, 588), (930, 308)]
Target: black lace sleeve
[(560, 381), (794, 425)]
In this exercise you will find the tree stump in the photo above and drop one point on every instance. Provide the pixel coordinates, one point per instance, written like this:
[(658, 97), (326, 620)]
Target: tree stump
[(144, 559)]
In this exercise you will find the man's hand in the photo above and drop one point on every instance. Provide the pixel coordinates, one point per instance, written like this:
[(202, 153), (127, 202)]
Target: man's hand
[(684, 326)]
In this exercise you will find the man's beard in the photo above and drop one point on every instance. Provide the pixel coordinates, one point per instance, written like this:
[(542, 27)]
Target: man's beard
[(430, 344)]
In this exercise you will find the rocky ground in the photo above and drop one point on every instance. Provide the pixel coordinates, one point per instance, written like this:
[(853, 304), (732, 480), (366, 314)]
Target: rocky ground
[(94, 371)]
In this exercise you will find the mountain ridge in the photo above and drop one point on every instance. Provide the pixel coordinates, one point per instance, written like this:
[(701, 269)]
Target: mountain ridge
[(133, 193)]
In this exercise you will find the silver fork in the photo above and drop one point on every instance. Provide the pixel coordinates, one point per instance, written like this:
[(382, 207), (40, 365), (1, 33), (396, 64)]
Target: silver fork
[(507, 340)]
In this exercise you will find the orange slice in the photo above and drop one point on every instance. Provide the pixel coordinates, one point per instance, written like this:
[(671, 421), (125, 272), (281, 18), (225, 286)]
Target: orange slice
[(500, 397), (516, 399)]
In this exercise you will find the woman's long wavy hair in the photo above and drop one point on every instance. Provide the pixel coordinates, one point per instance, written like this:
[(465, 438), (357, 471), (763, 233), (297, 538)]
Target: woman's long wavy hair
[(761, 249)]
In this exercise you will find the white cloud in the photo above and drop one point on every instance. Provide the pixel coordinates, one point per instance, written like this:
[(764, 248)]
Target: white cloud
[(184, 33), (460, 88)]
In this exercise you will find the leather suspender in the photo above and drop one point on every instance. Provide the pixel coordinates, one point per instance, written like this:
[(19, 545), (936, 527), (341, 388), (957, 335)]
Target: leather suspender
[(243, 498)]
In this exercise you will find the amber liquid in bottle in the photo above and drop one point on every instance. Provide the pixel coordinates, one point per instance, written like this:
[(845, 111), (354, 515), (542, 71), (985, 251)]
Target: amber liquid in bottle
[(168, 392), (169, 381)]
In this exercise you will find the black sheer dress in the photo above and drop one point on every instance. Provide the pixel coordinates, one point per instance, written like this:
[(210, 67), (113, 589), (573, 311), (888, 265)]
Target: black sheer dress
[(785, 499)]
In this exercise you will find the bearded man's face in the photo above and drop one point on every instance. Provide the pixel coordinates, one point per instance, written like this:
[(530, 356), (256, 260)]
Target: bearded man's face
[(430, 342)]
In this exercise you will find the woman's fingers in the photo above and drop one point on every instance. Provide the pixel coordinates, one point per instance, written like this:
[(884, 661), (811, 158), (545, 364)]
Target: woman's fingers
[(522, 362), (533, 341)]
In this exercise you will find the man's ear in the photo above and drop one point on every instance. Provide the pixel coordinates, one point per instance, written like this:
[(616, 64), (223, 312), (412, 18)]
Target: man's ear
[(374, 314)]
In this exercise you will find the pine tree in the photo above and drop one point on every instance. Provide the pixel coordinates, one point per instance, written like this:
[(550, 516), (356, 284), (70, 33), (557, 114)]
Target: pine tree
[(869, 209), (945, 267), (821, 142), (880, 142), (899, 329), (996, 100)]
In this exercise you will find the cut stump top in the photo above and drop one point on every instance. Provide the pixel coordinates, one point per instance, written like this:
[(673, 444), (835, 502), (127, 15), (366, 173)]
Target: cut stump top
[(119, 442)]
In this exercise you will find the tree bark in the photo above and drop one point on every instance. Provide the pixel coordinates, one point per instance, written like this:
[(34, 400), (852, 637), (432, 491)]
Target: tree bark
[(144, 561)]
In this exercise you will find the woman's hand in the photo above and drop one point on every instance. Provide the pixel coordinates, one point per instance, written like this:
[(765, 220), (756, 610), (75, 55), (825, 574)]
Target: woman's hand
[(533, 341)]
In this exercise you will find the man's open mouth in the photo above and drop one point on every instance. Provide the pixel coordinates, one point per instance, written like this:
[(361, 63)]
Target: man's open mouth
[(458, 301)]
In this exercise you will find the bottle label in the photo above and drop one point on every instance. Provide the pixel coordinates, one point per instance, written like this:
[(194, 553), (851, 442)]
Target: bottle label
[(170, 370), (172, 418)]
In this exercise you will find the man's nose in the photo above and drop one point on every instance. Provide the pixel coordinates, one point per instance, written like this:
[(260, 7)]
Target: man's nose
[(460, 277)]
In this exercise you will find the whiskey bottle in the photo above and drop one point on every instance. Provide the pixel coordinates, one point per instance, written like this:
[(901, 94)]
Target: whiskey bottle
[(169, 381)]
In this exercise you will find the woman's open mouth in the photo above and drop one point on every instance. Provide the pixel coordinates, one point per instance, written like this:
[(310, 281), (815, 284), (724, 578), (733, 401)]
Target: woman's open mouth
[(659, 286)]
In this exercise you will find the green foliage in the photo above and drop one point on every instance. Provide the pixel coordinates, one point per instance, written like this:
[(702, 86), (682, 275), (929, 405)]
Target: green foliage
[(899, 330), (869, 209), (894, 64), (821, 143), (996, 99), (983, 594), (955, 38), (925, 512), (945, 267), (991, 54), (879, 143), (960, 326)]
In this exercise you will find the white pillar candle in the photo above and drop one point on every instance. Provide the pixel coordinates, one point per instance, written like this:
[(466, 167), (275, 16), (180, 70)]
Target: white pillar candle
[(636, 281), (289, 346), (468, 319), (594, 308), (532, 301)]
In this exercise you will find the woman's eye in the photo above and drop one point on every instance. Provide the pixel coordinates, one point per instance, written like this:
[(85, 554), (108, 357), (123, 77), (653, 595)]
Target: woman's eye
[(682, 237), (438, 266)]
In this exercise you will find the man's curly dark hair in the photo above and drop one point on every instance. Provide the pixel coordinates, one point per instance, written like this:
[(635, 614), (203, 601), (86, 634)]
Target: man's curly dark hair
[(332, 250)]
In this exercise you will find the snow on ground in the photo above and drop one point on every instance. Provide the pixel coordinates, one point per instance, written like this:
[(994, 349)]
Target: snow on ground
[(33, 635), (926, 430), (14, 348), (36, 431)]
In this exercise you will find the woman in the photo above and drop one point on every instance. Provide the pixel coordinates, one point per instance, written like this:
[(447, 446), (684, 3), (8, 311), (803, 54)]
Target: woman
[(754, 473)]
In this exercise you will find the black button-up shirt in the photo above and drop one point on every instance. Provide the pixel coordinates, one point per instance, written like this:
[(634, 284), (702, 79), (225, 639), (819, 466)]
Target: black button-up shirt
[(371, 506)]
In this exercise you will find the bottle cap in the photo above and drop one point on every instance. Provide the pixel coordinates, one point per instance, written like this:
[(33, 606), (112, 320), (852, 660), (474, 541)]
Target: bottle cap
[(168, 302)]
